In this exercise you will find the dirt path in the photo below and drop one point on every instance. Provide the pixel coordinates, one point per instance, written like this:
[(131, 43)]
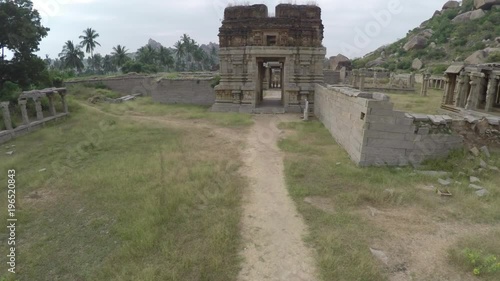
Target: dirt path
[(272, 228)]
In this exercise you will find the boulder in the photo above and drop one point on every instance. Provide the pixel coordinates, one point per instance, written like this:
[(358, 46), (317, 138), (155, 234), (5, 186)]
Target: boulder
[(451, 5), (415, 43), (426, 33), (433, 45), (417, 64), (485, 4), (478, 57), (436, 14), (340, 61), (378, 62), (467, 16), (477, 14)]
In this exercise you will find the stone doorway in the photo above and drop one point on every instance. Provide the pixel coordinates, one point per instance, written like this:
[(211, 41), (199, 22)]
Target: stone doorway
[(271, 77)]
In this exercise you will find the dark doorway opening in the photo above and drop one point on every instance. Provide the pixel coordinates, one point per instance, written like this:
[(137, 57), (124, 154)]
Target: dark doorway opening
[(271, 77)]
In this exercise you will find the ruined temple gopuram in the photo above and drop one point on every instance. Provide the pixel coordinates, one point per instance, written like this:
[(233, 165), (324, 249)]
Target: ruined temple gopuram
[(264, 56)]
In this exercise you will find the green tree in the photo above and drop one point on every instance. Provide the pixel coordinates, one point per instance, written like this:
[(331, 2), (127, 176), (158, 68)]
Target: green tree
[(165, 57), (20, 32), (108, 64), (120, 55), (147, 55), (89, 40), (72, 56), (96, 62)]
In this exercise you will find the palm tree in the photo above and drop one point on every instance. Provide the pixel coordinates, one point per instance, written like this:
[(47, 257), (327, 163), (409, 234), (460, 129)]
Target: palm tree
[(108, 64), (147, 55), (120, 55), (96, 63), (72, 56), (165, 57), (199, 56), (88, 40), (179, 50)]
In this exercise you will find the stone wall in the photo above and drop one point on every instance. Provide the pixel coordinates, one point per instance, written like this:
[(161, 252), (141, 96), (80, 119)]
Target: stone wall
[(171, 91), (373, 133), (332, 77)]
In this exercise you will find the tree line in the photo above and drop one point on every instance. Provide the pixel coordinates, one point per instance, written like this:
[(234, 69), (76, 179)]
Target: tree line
[(21, 31), (186, 55)]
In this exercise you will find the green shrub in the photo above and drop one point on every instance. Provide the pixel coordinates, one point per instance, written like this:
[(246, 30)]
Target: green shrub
[(215, 81), (439, 69), (481, 263), (494, 57), (10, 92)]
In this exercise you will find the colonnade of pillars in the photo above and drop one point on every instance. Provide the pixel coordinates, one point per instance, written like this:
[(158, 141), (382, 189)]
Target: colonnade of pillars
[(472, 90), (22, 102)]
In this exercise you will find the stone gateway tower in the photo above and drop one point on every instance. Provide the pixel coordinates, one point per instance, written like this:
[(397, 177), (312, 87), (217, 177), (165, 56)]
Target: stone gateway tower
[(262, 54)]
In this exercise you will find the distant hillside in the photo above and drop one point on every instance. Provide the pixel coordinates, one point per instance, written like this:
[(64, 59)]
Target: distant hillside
[(467, 31)]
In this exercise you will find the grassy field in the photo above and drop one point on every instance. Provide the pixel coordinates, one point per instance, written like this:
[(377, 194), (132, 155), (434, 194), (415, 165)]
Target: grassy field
[(414, 103), (104, 197), (349, 210)]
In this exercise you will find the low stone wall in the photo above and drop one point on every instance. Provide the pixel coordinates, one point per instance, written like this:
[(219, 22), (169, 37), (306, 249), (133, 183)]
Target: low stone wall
[(373, 133), (171, 91), (331, 77), (25, 129)]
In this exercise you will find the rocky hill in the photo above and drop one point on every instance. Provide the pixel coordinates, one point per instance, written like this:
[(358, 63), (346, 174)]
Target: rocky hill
[(467, 31)]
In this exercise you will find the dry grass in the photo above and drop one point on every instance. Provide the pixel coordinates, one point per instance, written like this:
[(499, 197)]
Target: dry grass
[(350, 209), (123, 199), (414, 103)]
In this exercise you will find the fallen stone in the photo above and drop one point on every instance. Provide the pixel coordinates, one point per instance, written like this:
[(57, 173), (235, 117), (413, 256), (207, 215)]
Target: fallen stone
[(476, 187), (495, 121), (373, 211), (482, 126), (471, 119), (421, 117), (417, 64), (444, 182), (474, 180), (475, 151), (9, 152), (483, 164), (380, 255), (482, 192), (42, 170), (493, 168), (433, 173), (486, 151)]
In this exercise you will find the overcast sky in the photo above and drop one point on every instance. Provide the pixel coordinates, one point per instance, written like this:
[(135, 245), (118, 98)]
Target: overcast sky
[(353, 28)]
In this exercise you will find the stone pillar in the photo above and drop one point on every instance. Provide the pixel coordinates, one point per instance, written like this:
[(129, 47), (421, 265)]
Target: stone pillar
[(412, 80), (38, 107), (355, 77), (362, 80), (52, 106), (64, 102), (491, 93), (447, 92), (24, 112), (375, 79), (6, 115), (474, 92), (464, 91), (425, 85)]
